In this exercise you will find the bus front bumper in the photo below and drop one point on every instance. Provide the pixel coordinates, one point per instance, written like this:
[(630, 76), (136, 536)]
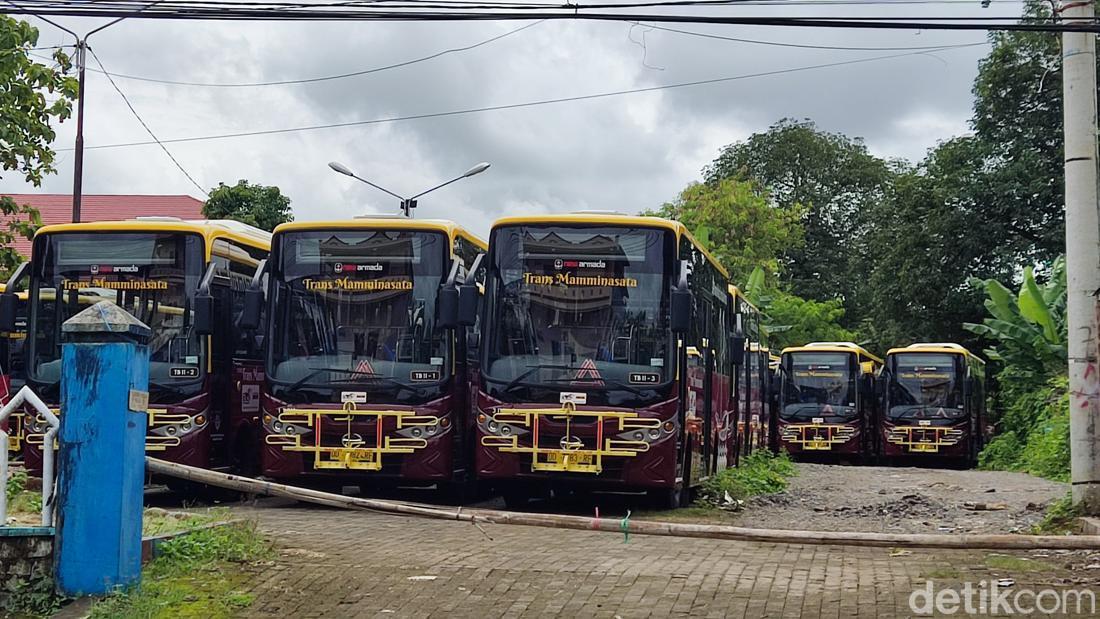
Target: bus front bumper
[(590, 445), (407, 442)]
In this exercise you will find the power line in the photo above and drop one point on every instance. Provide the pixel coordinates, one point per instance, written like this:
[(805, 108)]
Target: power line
[(706, 35), (144, 124), (298, 12), (512, 106), (311, 80)]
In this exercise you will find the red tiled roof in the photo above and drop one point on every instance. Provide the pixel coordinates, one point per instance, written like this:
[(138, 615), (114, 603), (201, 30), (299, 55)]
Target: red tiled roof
[(57, 208)]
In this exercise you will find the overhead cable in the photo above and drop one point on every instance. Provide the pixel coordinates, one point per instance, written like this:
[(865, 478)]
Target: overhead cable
[(526, 104), (145, 125)]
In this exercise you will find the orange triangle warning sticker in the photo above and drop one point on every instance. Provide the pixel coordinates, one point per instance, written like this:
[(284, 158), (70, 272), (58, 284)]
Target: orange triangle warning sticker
[(364, 367), (588, 373)]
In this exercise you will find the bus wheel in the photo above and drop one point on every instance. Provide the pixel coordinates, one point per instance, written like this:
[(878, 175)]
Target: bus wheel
[(459, 492), (516, 500), (669, 498)]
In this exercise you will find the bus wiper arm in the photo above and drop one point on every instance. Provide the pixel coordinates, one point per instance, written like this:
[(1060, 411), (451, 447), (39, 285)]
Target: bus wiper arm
[(372, 375), (531, 369), (315, 371), (613, 383)]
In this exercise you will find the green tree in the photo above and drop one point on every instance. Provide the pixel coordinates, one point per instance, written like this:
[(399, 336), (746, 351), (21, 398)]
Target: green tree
[(33, 97), (837, 182), (256, 205), (790, 320), (735, 221), (1017, 158), (1029, 327)]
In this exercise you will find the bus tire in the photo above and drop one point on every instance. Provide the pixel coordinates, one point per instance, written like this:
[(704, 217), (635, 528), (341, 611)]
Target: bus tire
[(670, 498), (516, 500)]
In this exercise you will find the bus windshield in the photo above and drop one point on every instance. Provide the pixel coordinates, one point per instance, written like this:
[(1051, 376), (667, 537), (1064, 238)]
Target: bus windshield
[(821, 384), (580, 307), (358, 307), (151, 275), (925, 386)]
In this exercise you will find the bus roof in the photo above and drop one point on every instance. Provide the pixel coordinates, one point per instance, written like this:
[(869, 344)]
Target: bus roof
[(210, 229), (851, 347), (448, 227), (736, 292), (612, 219), (937, 347)]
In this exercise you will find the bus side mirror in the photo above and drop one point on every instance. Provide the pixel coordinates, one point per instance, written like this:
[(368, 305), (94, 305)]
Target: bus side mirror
[(8, 304), (469, 297), (681, 310), (204, 313), (448, 306), (253, 308), (737, 349)]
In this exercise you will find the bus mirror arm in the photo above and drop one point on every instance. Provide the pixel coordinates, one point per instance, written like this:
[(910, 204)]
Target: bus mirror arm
[(469, 297), (204, 303), (8, 304), (254, 300), (448, 299), (17, 275), (680, 310), (737, 349)]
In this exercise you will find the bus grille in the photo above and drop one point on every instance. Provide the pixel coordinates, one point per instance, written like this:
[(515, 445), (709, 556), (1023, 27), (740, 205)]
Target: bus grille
[(354, 451)]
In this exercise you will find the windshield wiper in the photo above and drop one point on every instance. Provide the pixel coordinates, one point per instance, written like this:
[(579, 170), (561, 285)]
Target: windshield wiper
[(531, 369), (591, 382), (373, 375)]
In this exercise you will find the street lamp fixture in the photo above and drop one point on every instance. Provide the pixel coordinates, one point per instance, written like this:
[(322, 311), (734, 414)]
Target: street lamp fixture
[(407, 204)]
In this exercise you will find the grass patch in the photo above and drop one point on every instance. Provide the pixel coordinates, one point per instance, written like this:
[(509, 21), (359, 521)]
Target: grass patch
[(157, 521), (29, 597), (1009, 563), (1059, 519), (24, 505), (941, 573), (198, 575), (762, 472)]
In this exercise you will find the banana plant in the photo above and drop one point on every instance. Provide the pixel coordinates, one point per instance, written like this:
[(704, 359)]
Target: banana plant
[(1028, 327)]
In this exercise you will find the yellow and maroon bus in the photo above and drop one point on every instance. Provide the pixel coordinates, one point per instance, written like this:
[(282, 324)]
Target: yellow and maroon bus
[(12, 375), (608, 344), (827, 400), (186, 280), (933, 404), (366, 368)]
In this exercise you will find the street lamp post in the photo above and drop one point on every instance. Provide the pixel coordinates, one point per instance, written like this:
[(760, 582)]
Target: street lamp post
[(407, 204)]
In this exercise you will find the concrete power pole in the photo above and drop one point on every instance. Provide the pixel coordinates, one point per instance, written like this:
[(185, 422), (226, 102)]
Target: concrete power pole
[(1082, 253)]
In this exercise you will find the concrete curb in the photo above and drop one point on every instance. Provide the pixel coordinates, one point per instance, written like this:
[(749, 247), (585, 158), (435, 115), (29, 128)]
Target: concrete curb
[(1088, 525)]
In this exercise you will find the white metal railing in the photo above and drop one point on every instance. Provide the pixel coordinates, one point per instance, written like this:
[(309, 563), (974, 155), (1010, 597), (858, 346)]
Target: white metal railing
[(26, 396)]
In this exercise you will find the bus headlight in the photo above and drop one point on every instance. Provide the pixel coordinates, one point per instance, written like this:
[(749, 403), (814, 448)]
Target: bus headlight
[(489, 425)]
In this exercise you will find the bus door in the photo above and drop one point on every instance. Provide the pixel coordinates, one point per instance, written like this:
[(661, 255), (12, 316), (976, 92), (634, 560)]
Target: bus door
[(696, 407)]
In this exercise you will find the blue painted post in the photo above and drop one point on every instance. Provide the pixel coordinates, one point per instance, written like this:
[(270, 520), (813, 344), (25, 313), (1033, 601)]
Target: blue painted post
[(101, 457)]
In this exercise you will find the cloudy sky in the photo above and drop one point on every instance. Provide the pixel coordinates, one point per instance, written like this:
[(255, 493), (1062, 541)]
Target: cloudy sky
[(624, 153)]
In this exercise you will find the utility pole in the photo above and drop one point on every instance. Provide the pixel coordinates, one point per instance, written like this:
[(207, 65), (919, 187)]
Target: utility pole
[(1082, 253), (81, 62), (78, 159)]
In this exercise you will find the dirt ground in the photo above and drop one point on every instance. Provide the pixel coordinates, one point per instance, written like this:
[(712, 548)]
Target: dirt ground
[(913, 500)]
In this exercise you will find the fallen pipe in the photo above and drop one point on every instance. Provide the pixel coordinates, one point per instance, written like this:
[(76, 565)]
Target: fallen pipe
[(637, 527)]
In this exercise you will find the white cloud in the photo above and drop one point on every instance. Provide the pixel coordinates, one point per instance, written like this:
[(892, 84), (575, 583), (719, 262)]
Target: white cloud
[(624, 153)]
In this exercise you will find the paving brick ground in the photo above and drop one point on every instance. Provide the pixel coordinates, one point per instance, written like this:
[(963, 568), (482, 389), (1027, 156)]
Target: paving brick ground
[(355, 564)]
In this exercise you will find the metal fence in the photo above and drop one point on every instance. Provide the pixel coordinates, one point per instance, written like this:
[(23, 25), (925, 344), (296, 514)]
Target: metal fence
[(26, 396)]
